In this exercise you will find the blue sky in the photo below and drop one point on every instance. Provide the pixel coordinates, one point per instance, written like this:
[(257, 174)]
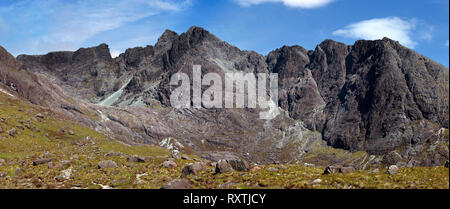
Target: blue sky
[(40, 26)]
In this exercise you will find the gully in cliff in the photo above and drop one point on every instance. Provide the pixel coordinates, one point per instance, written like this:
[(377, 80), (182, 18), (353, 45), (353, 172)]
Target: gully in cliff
[(213, 96)]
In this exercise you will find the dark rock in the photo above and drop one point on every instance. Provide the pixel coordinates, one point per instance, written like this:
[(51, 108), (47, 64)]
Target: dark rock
[(135, 159), (41, 161), (184, 157), (178, 184), (60, 178), (12, 132), (223, 166), (192, 169), (446, 164), (107, 164), (331, 170)]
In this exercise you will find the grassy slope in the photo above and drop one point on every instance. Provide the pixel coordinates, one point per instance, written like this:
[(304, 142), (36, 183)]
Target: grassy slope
[(84, 154)]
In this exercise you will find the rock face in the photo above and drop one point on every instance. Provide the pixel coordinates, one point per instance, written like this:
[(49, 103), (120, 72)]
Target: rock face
[(375, 97)]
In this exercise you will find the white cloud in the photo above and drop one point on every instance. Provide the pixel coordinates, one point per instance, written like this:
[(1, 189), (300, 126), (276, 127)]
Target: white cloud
[(391, 27), (446, 43), (306, 4)]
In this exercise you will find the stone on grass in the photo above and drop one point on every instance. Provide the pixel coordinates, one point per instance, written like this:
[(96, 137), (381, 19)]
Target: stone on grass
[(41, 161), (393, 169), (12, 132), (178, 184), (223, 166), (135, 159), (192, 169), (107, 164), (169, 164)]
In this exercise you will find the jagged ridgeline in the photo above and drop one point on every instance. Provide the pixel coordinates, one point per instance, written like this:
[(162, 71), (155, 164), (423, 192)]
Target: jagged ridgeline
[(375, 102)]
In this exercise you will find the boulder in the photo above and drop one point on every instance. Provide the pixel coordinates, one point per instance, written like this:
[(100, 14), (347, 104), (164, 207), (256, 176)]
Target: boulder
[(12, 132), (223, 166), (107, 164), (178, 184), (136, 159), (41, 161), (316, 181), (185, 157), (331, 169), (272, 169), (446, 164), (393, 169), (169, 164), (339, 169), (192, 169), (228, 165), (3, 174), (39, 115)]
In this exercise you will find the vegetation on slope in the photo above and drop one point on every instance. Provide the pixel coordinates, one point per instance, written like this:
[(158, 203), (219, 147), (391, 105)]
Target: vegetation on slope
[(76, 150)]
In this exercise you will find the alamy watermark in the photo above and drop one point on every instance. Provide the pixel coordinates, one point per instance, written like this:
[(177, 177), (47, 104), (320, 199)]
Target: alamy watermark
[(235, 95)]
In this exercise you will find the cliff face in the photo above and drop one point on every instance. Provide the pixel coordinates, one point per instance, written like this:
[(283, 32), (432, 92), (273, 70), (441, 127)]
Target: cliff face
[(375, 96)]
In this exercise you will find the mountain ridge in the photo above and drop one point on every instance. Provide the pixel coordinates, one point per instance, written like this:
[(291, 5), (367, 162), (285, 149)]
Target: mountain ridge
[(374, 96)]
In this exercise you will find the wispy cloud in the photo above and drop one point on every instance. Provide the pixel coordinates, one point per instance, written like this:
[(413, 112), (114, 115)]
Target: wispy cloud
[(446, 43), (70, 24), (391, 27), (306, 4)]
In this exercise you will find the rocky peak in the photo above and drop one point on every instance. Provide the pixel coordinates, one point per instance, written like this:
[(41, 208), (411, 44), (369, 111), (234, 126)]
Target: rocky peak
[(98, 53), (165, 41), (7, 60)]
